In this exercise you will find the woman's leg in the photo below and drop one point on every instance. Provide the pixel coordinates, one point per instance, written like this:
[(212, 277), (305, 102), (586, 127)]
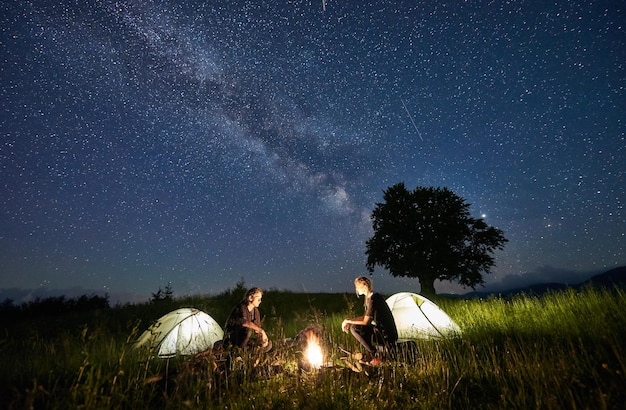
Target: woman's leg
[(364, 335)]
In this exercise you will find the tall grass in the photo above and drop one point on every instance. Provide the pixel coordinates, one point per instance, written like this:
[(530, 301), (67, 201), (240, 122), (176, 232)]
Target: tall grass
[(561, 350)]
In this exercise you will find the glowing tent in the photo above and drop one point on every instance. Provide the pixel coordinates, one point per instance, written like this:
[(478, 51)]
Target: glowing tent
[(418, 318), (184, 331)]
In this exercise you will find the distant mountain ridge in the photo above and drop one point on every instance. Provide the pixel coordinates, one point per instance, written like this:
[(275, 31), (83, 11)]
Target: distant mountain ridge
[(608, 279), (613, 277)]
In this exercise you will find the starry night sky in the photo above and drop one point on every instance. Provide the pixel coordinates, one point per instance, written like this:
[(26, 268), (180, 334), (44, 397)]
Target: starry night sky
[(205, 142)]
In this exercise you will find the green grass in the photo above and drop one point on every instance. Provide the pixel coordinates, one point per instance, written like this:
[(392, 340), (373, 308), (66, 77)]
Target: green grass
[(562, 350)]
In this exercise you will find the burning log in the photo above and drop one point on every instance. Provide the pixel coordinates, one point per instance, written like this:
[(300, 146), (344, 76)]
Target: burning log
[(311, 341), (313, 352)]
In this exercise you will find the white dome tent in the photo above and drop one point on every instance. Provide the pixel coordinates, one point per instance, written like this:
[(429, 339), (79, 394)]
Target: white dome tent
[(418, 318), (184, 331)]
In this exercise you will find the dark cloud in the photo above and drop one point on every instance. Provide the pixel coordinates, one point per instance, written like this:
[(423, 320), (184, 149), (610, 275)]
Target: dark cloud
[(543, 274)]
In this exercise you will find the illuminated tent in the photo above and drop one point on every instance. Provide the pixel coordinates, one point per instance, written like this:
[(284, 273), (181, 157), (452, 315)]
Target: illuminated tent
[(418, 318), (184, 331)]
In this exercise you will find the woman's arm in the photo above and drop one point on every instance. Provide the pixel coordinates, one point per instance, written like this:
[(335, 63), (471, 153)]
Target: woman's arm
[(361, 320)]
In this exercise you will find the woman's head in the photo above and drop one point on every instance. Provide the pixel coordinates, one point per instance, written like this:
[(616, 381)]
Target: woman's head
[(363, 285)]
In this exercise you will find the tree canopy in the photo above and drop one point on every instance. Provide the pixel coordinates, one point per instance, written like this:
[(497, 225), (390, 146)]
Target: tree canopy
[(428, 234)]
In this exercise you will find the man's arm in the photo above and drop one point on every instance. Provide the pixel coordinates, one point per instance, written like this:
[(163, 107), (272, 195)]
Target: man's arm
[(251, 325), (257, 329)]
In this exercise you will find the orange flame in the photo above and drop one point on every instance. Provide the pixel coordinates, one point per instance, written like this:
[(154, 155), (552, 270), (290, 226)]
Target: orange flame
[(313, 351)]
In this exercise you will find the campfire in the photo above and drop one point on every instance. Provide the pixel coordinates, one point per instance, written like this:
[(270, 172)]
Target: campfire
[(313, 353), (311, 340)]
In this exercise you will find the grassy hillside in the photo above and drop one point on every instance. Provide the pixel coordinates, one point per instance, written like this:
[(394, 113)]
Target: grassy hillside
[(561, 350)]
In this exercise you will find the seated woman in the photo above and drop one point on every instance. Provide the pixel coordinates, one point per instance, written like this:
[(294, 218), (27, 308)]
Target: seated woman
[(376, 325), (243, 326)]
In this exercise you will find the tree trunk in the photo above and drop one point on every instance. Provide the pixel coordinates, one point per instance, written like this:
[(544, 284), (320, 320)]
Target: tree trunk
[(427, 288)]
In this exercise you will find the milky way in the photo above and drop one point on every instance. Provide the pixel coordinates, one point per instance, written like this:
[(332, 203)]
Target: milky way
[(201, 143)]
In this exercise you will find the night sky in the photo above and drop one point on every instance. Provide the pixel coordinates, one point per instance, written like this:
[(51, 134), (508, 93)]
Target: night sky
[(199, 143)]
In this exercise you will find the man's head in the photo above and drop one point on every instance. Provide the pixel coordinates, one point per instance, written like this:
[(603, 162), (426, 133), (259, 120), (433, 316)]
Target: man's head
[(254, 296)]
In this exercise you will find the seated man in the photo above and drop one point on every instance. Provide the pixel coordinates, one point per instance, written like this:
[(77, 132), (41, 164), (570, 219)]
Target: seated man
[(244, 322), (377, 323)]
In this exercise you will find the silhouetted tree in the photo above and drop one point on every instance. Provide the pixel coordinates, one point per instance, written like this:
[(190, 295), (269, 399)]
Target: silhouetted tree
[(428, 234), (51, 306), (166, 294), (92, 302)]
